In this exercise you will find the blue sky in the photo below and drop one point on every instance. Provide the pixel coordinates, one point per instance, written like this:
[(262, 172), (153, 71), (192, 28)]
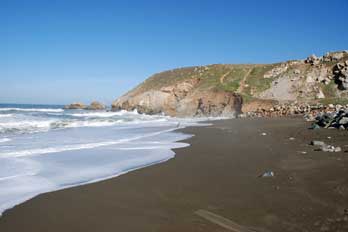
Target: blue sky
[(69, 50)]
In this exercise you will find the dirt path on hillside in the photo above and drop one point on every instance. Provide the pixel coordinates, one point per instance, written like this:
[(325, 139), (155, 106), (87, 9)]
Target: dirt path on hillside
[(242, 83), (222, 78)]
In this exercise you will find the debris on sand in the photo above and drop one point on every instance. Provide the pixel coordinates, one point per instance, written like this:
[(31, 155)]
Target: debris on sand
[(325, 147), (267, 174), (334, 119), (317, 143)]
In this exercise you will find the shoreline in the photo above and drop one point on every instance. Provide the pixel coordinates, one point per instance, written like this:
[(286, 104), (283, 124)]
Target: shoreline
[(165, 196)]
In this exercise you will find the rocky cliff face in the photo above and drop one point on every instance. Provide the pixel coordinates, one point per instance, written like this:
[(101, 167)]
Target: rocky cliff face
[(181, 99), (221, 89)]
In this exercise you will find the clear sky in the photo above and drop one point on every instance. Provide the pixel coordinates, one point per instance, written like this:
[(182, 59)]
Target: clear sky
[(69, 50)]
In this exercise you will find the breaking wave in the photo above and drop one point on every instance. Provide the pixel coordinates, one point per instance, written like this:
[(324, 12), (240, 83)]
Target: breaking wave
[(4, 140), (46, 149), (31, 110)]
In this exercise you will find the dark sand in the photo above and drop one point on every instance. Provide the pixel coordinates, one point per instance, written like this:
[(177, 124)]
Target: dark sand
[(217, 175)]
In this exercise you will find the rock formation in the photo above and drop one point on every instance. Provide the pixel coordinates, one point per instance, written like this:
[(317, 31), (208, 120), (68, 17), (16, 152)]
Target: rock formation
[(75, 105), (182, 99), (80, 106), (220, 89), (340, 72), (96, 106)]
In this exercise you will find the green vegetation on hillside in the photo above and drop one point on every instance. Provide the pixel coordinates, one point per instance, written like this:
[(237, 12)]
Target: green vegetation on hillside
[(217, 76), (249, 80), (329, 90), (256, 82), (341, 101)]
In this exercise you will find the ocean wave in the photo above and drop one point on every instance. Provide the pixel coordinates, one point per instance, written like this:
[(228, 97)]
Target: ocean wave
[(96, 114), (92, 123), (105, 114), (47, 150), (25, 126), (32, 126), (3, 140), (5, 115), (31, 109)]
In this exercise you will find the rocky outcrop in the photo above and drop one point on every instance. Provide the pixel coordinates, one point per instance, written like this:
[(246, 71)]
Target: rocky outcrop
[(276, 71), (340, 72), (74, 106), (217, 90), (80, 106), (335, 117), (311, 112), (182, 100), (258, 105), (96, 106), (313, 60)]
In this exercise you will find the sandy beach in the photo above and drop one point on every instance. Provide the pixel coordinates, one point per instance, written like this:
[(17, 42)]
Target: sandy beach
[(213, 185)]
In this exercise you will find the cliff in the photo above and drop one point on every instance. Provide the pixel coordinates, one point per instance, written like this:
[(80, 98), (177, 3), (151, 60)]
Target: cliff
[(224, 89)]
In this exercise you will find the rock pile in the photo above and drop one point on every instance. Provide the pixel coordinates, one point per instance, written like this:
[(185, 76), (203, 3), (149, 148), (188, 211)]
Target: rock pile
[(322, 115), (328, 57), (325, 147), (337, 118), (280, 110), (340, 72)]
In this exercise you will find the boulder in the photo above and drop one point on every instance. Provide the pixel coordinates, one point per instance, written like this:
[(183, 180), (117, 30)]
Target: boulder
[(313, 60), (331, 117), (75, 105), (96, 106), (343, 121), (340, 72)]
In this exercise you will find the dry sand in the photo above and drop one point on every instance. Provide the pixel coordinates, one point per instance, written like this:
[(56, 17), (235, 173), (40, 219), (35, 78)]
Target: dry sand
[(213, 185)]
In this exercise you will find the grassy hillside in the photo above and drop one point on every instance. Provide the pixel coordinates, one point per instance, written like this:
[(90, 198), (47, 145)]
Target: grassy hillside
[(249, 79), (220, 76)]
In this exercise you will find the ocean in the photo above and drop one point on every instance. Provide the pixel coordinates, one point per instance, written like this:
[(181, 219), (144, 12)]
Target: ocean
[(44, 148)]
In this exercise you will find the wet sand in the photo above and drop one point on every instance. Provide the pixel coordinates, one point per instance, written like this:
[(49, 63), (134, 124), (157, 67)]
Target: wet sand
[(213, 185)]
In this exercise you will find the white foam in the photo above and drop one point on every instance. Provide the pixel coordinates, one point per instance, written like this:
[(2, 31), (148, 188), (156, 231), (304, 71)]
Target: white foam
[(27, 173), (31, 109), (93, 123), (49, 150), (4, 140), (96, 114), (107, 114), (32, 126), (78, 147), (25, 126), (5, 115)]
